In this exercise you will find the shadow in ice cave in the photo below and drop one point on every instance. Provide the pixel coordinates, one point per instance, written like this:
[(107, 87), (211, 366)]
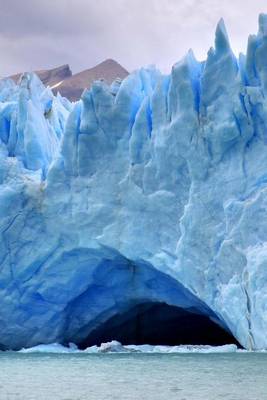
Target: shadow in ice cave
[(159, 324)]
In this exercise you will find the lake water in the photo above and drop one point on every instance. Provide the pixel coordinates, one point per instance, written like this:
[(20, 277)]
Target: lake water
[(230, 376)]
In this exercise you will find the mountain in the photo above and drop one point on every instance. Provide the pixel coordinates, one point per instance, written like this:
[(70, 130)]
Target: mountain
[(138, 213), (50, 76), (71, 86)]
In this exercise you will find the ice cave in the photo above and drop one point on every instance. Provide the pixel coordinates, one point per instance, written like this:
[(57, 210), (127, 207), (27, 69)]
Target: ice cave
[(159, 324)]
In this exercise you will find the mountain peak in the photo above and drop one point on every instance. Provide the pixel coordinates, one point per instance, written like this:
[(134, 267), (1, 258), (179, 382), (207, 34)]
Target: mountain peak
[(73, 86)]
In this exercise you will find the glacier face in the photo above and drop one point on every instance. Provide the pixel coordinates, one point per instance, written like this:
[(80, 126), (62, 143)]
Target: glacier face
[(151, 189)]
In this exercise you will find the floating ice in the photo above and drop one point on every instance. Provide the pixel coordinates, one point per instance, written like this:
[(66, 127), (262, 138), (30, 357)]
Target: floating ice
[(116, 347), (51, 348)]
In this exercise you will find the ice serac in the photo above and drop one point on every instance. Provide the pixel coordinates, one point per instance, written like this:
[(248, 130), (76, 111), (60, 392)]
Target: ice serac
[(150, 191)]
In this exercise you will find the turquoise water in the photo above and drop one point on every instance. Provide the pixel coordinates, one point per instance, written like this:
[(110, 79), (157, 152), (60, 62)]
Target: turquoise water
[(232, 376)]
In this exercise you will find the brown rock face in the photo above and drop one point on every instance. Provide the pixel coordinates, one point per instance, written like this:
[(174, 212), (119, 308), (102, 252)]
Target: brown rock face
[(71, 86), (50, 76)]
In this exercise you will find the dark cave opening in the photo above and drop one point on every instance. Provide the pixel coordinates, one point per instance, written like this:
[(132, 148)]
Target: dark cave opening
[(159, 324)]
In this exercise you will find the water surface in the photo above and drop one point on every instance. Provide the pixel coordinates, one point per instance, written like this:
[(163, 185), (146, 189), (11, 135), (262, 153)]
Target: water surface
[(230, 376)]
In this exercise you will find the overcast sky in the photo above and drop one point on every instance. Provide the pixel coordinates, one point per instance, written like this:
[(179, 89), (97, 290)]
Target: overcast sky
[(37, 34)]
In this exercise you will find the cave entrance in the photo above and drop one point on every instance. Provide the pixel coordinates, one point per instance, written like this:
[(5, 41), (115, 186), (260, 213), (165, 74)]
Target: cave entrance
[(159, 324)]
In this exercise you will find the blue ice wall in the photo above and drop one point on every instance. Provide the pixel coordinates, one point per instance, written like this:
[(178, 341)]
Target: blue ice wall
[(152, 189)]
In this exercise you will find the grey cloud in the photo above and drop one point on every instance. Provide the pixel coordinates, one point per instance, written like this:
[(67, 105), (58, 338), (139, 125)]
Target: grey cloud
[(50, 17), (37, 34)]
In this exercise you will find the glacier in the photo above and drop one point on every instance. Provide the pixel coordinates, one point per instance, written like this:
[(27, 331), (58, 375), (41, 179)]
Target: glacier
[(152, 189)]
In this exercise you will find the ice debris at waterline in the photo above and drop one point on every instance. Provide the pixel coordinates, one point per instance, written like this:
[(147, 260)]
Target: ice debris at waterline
[(116, 347), (151, 190)]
